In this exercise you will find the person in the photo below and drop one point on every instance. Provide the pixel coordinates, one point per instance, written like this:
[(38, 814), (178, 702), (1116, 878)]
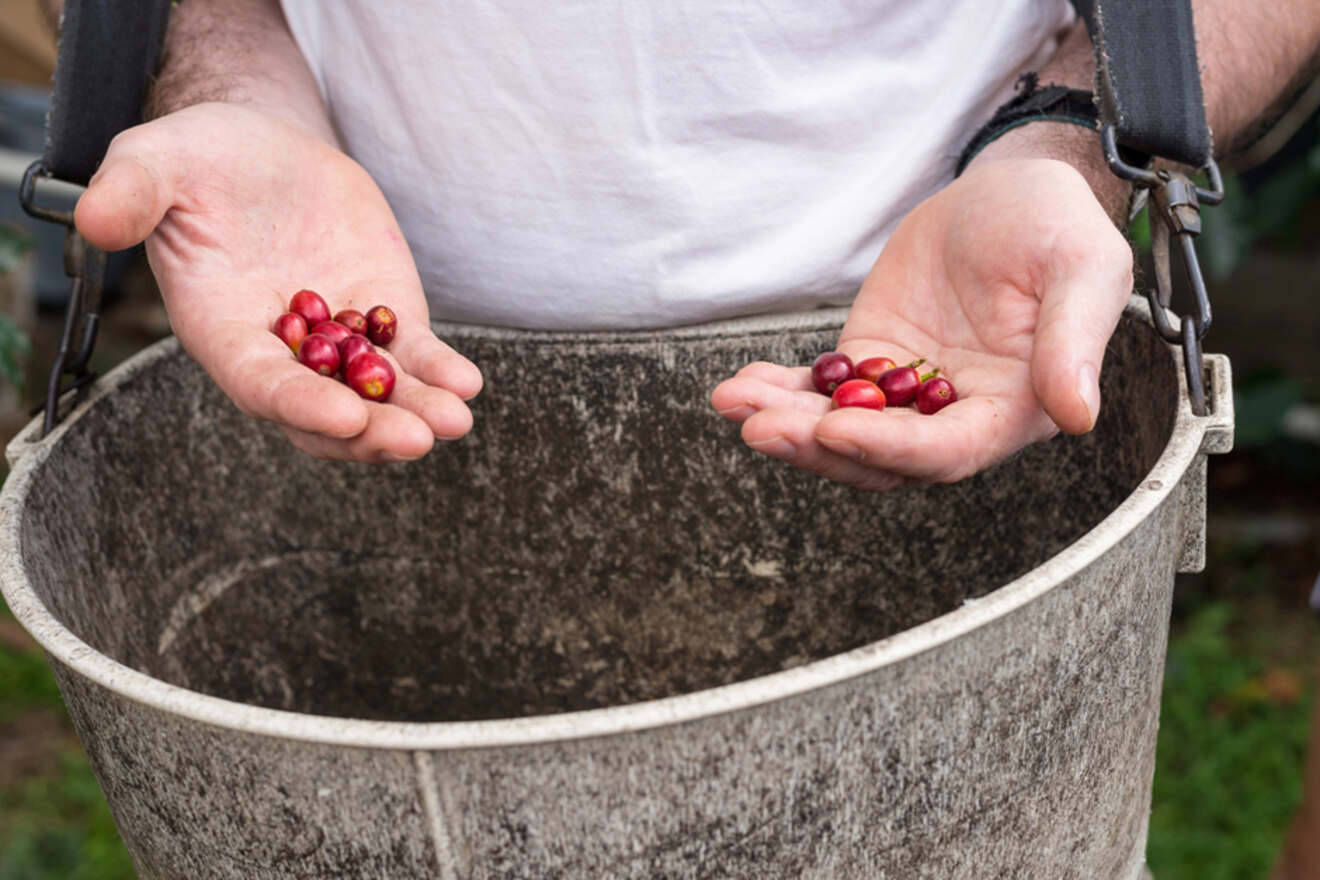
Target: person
[(583, 167), (607, 166)]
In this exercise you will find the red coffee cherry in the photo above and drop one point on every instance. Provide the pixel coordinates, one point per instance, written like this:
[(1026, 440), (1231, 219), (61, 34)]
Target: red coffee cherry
[(901, 383), (291, 329), (858, 392), (309, 304), (935, 394), (871, 368), (335, 330), (371, 376), (351, 347), (319, 353), (830, 370), (382, 324), (353, 320)]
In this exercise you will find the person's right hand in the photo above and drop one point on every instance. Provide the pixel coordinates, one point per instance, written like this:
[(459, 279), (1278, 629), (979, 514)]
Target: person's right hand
[(240, 210)]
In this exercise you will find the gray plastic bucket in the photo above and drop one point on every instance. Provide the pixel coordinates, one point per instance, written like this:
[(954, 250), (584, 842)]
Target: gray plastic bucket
[(600, 638)]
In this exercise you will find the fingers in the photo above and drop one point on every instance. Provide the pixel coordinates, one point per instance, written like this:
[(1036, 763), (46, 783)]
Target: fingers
[(954, 443), (883, 449), (256, 371), (423, 355), (792, 378), (403, 429), (442, 411), (432, 382), (1080, 307), (790, 436), (129, 195), (322, 416), (764, 385), (392, 434)]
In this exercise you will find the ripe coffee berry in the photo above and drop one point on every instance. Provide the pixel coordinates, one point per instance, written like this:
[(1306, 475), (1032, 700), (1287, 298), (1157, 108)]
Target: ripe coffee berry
[(342, 345), (371, 376), (335, 330), (901, 383), (871, 368), (935, 394), (353, 320), (351, 347), (309, 304), (319, 353), (858, 392), (291, 329), (831, 370), (381, 325)]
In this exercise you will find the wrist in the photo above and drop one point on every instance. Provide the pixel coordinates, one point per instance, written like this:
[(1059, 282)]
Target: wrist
[(1075, 145), (238, 52), (1073, 65)]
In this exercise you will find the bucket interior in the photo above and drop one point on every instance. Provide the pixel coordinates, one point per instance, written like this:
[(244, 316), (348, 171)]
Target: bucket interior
[(602, 537)]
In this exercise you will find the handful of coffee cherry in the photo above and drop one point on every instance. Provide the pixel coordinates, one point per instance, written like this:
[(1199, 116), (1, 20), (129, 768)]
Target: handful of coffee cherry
[(878, 381), (343, 345)]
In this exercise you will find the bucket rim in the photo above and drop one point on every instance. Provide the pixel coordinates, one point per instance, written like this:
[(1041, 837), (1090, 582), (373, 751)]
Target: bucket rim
[(1190, 435)]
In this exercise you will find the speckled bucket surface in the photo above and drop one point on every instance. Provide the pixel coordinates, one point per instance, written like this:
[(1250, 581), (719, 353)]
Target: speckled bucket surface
[(599, 638)]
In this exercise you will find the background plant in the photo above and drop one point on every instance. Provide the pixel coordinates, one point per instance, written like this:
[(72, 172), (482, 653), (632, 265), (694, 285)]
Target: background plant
[(14, 344)]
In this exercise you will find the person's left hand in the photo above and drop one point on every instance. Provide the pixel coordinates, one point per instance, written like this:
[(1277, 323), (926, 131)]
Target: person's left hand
[(1011, 281)]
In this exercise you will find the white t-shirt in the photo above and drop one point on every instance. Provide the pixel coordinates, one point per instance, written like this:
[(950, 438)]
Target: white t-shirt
[(643, 163)]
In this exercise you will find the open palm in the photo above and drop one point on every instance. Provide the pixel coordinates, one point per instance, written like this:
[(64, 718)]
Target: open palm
[(1011, 281), (240, 210)]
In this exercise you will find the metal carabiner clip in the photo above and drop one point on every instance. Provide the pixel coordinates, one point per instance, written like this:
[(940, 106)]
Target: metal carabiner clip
[(85, 264), (1175, 210)]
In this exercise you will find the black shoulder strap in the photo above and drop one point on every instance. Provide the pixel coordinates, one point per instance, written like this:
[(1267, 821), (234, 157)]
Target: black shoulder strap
[(109, 50), (1149, 85), (1147, 76)]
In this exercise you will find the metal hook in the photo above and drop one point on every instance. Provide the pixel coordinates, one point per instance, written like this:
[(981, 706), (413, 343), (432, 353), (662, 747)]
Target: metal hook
[(1175, 211), (85, 264)]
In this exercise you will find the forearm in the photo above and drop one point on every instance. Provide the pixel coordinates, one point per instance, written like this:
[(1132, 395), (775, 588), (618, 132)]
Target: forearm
[(238, 52), (1254, 57)]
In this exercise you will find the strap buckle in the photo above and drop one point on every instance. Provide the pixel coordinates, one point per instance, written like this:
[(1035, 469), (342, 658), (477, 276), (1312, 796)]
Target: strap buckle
[(1175, 211), (84, 264)]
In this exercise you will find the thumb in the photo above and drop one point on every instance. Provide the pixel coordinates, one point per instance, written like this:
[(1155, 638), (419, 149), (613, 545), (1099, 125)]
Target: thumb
[(128, 196), (1077, 316)]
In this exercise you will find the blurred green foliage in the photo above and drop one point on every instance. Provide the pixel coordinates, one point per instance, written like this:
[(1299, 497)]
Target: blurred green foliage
[(53, 826), (14, 243), (1268, 210), (57, 827), (14, 344), (25, 683), (25, 679), (1227, 773), (1259, 406)]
